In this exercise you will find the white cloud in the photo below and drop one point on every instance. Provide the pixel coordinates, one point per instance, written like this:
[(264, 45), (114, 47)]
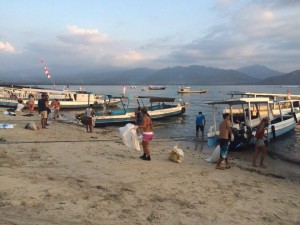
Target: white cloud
[(129, 57), (79, 36), (6, 47)]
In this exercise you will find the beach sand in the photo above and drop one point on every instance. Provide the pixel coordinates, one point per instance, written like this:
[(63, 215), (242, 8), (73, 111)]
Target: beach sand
[(63, 175)]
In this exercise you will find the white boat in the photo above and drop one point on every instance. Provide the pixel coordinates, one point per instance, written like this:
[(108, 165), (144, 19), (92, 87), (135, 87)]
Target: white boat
[(285, 106), (187, 90), (154, 87), (157, 107), (68, 99), (246, 114)]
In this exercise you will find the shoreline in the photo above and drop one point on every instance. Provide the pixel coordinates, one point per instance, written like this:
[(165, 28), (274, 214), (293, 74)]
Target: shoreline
[(63, 175)]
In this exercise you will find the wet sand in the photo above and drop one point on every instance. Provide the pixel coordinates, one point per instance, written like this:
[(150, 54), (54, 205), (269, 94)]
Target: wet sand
[(63, 175)]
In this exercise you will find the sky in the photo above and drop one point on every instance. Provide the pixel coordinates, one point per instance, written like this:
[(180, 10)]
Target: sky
[(226, 34)]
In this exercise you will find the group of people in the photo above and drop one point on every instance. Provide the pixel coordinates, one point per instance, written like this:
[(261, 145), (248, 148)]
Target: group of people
[(224, 139)]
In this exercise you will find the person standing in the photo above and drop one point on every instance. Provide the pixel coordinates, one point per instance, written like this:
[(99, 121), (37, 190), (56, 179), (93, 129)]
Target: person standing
[(200, 124), (259, 143), (43, 109), (225, 131), (147, 128), (31, 104), (89, 113)]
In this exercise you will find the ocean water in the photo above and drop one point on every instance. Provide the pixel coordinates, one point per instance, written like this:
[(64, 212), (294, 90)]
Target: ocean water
[(183, 127)]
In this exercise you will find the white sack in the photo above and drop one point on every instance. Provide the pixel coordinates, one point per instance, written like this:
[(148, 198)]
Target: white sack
[(215, 155), (129, 136), (176, 154)]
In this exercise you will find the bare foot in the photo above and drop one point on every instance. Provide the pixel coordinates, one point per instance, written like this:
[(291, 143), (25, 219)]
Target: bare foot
[(228, 167), (219, 168), (263, 166)]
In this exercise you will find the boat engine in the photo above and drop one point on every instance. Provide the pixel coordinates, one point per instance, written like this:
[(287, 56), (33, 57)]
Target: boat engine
[(242, 136)]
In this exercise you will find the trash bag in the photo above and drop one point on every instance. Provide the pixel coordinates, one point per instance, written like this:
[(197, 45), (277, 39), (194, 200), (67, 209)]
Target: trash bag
[(129, 136), (215, 155), (212, 141), (176, 155)]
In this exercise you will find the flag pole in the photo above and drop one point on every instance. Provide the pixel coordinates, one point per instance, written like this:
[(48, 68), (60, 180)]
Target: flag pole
[(47, 73)]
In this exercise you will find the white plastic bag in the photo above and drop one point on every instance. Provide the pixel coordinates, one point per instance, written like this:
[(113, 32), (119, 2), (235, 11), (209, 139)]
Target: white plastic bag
[(129, 136), (215, 155), (176, 154)]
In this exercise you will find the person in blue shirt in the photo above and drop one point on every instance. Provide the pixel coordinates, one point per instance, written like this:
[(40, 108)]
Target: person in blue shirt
[(200, 124)]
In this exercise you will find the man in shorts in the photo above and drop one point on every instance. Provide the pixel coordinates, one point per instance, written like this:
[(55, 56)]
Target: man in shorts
[(200, 124), (225, 131), (259, 143), (43, 106)]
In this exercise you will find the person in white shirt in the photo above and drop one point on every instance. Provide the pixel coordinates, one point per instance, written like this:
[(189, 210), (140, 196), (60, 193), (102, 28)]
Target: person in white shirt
[(89, 113)]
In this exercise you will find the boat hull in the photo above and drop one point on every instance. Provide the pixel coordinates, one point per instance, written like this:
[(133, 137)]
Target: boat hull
[(106, 120), (12, 102)]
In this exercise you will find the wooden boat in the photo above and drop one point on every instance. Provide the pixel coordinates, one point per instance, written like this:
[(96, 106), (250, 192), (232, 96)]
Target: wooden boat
[(187, 90), (157, 107), (153, 87), (244, 123), (68, 99)]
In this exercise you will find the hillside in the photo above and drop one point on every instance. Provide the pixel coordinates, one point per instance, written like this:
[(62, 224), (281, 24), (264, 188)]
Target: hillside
[(292, 78), (259, 71)]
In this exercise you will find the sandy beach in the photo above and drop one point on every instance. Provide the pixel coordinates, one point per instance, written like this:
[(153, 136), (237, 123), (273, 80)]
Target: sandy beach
[(63, 175)]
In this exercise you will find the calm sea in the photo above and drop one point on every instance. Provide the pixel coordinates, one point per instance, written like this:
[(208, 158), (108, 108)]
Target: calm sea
[(183, 127)]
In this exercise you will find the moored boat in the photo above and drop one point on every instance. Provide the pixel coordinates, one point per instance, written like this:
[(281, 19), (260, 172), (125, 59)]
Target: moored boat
[(187, 90), (158, 107), (246, 114), (154, 87), (68, 99)]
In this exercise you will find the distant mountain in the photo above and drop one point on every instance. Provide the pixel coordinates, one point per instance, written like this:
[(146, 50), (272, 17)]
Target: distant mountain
[(198, 75), (292, 78), (259, 71), (195, 74)]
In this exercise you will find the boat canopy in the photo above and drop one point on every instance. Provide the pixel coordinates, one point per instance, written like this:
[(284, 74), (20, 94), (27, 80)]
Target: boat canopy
[(152, 98), (238, 101)]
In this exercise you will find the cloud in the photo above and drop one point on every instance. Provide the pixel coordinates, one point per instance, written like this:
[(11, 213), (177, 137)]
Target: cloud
[(79, 36), (250, 34), (7, 47)]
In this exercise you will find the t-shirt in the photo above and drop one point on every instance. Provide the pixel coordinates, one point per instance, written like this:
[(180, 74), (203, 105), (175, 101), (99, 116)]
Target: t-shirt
[(224, 129), (42, 104), (89, 112), (19, 107), (200, 120)]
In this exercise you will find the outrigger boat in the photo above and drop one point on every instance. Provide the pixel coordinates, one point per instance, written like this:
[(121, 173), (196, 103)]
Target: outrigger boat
[(68, 99), (157, 107), (187, 90), (246, 114)]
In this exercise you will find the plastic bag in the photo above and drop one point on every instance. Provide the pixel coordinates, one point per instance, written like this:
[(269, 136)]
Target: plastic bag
[(215, 155), (176, 154), (129, 136)]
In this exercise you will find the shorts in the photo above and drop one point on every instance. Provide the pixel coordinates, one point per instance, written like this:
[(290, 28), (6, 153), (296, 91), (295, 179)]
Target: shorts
[(259, 143), (199, 126), (223, 148), (147, 136), (44, 114), (89, 121)]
